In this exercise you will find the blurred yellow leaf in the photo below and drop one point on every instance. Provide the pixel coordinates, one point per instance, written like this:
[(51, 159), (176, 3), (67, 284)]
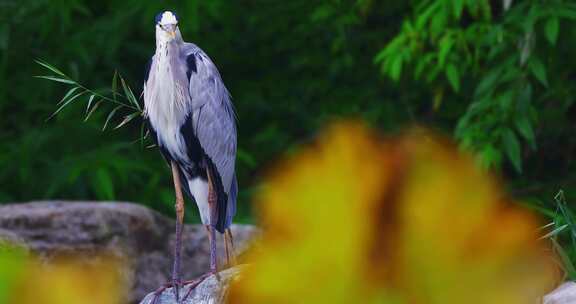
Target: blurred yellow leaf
[(355, 219), (12, 259), (65, 280)]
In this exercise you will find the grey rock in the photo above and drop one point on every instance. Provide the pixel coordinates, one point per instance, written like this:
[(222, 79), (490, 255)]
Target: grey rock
[(565, 294), (141, 237), (211, 290)]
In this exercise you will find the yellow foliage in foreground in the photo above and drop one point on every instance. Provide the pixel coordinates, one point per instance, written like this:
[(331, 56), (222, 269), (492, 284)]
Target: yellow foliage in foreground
[(67, 280), (356, 219)]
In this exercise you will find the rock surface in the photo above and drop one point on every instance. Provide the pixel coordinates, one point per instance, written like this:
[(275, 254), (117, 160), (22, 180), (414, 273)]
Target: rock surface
[(565, 294), (211, 290), (141, 237)]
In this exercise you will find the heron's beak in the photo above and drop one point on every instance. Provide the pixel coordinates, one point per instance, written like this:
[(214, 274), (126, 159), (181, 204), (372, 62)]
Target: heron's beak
[(171, 30)]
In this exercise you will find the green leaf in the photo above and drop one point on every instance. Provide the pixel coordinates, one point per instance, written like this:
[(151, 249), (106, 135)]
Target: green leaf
[(524, 99), (68, 94), (90, 102), (127, 119), (110, 115), (566, 262), (512, 149), (114, 85), (555, 231), (71, 99), (457, 7), (50, 67), (538, 70), (446, 44), (423, 63), (489, 157), (424, 17), (143, 134), (103, 186), (524, 126), (92, 110), (396, 68), (551, 30), (56, 79), (129, 95), (487, 84), (453, 77)]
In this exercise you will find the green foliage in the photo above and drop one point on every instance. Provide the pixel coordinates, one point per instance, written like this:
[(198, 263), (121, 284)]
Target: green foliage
[(119, 101), (563, 231), (497, 55)]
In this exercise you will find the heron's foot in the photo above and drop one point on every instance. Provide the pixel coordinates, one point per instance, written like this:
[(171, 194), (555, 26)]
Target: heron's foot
[(193, 283), (174, 284)]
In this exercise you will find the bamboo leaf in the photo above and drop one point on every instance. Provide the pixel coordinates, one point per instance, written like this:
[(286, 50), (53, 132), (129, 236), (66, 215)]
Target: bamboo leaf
[(110, 116), (538, 70), (50, 67), (487, 84), (127, 119), (453, 77), (114, 85), (555, 231), (92, 110), (65, 104), (396, 68), (90, 102), (551, 30), (142, 135), (512, 148), (457, 8), (446, 44), (56, 79), (524, 126), (68, 94), (129, 95), (103, 184), (566, 262)]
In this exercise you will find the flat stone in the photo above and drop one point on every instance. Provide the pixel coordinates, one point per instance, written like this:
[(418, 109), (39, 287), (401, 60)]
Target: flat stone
[(565, 294), (211, 290)]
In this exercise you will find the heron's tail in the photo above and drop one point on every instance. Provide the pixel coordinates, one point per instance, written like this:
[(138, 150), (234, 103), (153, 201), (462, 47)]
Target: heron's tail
[(221, 199), (231, 208)]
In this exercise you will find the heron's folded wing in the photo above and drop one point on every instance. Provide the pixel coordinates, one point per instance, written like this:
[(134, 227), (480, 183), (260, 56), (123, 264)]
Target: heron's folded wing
[(213, 119)]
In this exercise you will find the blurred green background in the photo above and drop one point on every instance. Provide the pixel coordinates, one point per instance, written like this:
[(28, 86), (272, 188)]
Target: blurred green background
[(497, 76)]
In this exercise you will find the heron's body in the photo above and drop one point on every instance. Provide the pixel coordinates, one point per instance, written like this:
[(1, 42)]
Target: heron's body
[(191, 117)]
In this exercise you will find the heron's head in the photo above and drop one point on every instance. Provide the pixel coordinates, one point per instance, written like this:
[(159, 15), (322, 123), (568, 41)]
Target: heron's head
[(167, 27)]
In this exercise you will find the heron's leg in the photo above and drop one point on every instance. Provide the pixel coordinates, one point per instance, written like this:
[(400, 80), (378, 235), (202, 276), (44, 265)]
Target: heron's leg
[(210, 226), (176, 281), (212, 240), (229, 245), (226, 248)]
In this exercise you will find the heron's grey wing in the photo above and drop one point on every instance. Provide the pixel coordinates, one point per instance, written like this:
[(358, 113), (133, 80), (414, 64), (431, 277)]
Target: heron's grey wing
[(213, 121)]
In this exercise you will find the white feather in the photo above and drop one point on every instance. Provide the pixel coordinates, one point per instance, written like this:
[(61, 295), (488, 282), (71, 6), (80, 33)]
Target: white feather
[(168, 18), (166, 106), (199, 189)]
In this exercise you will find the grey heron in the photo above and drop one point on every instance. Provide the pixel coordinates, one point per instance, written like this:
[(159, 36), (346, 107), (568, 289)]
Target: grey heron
[(190, 115)]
